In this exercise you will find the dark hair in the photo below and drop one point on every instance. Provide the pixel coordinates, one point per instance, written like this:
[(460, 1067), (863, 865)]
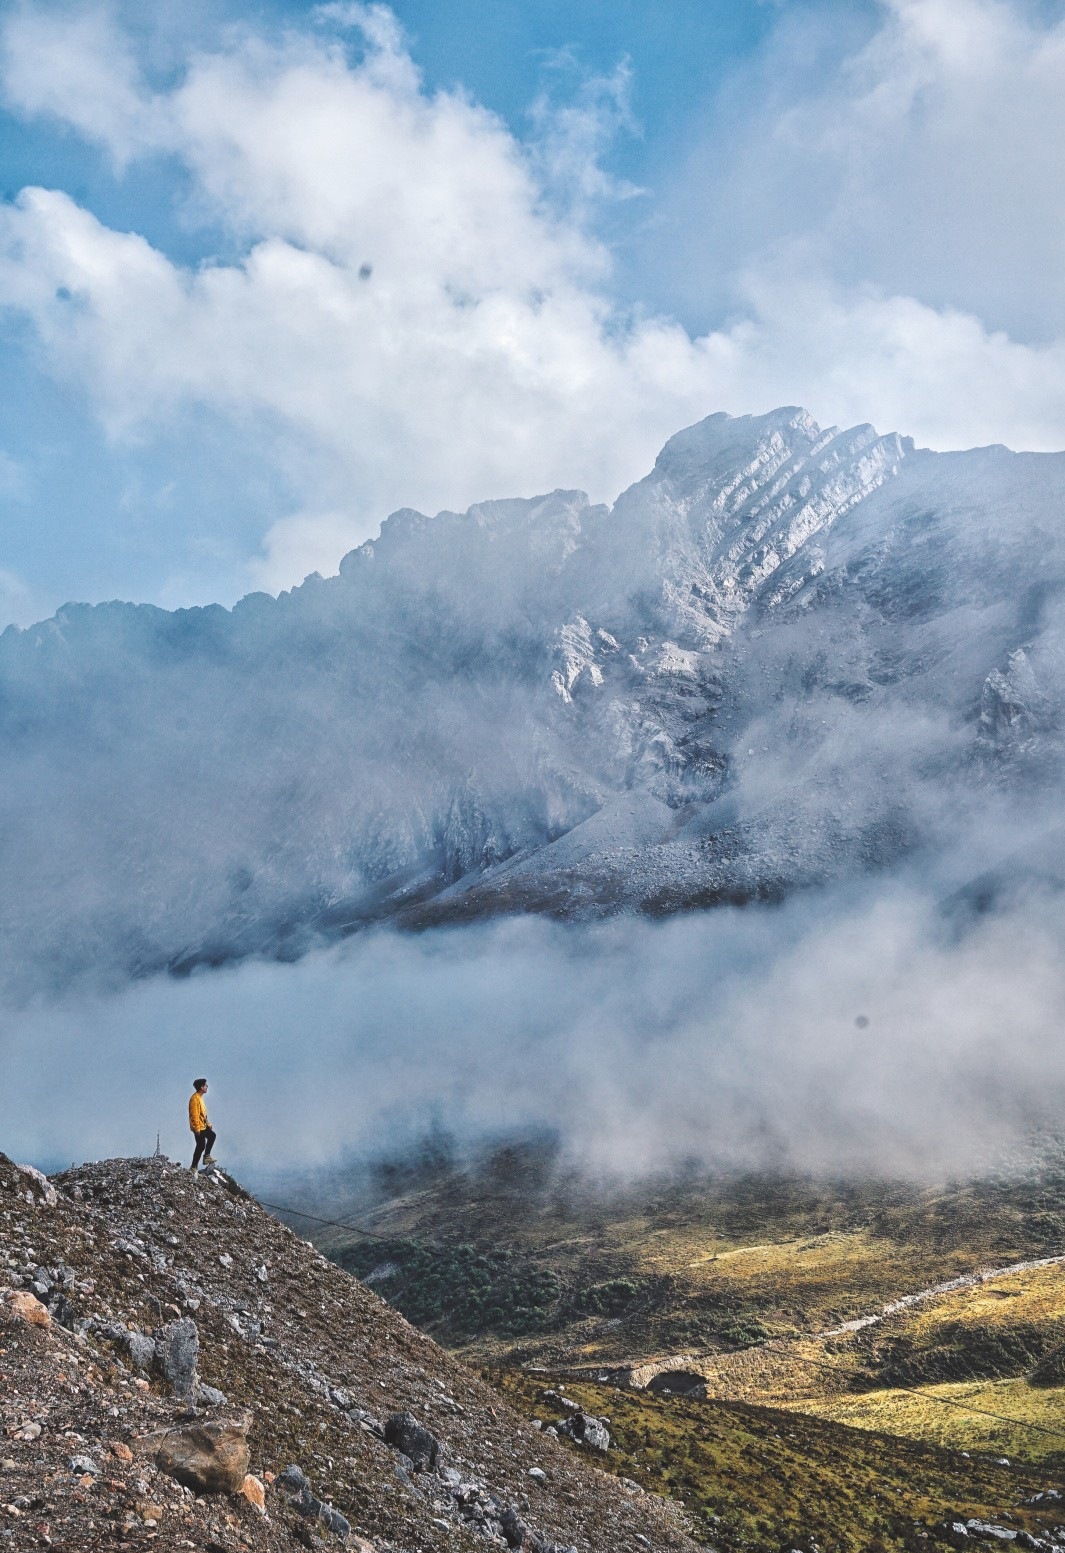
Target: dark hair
[(198, 1083)]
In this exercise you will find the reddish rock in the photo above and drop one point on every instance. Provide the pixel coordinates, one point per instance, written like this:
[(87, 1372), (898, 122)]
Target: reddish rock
[(254, 1491), (27, 1307)]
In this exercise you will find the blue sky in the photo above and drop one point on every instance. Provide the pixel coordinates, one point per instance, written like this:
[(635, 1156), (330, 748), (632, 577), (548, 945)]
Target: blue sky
[(269, 271)]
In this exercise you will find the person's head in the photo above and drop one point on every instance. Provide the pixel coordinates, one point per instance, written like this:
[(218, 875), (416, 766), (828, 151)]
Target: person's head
[(199, 1085)]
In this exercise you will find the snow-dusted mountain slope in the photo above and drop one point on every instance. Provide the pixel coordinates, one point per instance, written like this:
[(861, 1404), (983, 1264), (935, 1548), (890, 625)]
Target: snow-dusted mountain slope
[(786, 655)]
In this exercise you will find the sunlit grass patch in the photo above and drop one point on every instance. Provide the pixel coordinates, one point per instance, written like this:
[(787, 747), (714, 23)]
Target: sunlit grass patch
[(923, 1417)]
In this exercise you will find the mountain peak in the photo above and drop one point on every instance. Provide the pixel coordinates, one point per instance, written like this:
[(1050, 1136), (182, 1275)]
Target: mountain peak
[(405, 740)]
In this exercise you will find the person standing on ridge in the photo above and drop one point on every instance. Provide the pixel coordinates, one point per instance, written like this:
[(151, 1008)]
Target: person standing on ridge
[(200, 1126)]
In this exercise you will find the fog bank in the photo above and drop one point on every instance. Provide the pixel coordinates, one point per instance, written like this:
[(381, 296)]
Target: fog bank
[(852, 1032)]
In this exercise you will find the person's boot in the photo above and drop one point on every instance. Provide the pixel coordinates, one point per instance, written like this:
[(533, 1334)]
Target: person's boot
[(210, 1160)]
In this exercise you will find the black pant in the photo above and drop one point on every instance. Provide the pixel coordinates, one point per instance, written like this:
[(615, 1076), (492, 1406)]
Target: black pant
[(204, 1141)]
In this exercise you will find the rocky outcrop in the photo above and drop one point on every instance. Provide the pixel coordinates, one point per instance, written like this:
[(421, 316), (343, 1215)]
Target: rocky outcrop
[(176, 1351)]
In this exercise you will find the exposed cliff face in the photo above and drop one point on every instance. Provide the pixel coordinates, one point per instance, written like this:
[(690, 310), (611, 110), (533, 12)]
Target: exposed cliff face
[(150, 1318), (784, 656)]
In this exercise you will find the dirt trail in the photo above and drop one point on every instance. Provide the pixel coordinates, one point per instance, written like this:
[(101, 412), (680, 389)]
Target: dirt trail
[(964, 1281)]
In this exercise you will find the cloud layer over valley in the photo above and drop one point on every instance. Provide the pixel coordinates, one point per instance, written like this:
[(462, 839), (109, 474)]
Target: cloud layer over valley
[(853, 1033)]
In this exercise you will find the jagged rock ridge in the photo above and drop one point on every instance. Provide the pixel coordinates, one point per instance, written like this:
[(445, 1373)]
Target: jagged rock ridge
[(786, 655)]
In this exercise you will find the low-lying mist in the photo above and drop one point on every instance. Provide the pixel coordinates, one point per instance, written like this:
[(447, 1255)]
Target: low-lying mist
[(857, 1032)]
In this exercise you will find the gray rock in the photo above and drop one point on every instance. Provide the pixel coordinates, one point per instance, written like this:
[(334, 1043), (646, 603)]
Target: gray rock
[(513, 1527), (333, 1520), (141, 1349), (210, 1396), (587, 1430), (293, 1479), (177, 1349), (404, 1433), (62, 1310), (83, 1464), (308, 1504)]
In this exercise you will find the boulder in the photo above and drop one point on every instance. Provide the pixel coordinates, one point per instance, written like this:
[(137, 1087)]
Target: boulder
[(306, 1502), (177, 1349), (333, 1519), (404, 1433), (586, 1429), (513, 1528), (211, 1458), (27, 1307), (44, 1187)]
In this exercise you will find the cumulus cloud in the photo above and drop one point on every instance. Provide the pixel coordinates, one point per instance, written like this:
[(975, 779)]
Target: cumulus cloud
[(927, 162), (417, 311), (852, 1033)]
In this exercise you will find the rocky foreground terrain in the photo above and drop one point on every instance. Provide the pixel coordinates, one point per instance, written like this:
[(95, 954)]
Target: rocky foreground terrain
[(180, 1371)]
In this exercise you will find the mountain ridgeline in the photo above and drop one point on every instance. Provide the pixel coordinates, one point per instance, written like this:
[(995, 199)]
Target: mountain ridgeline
[(787, 656)]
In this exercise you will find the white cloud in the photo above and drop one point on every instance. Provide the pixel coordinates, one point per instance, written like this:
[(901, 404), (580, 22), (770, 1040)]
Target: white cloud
[(18, 605), (929, 163), (77, 67), (411, 324), (305, 542), (574, 135), (728, 1037)]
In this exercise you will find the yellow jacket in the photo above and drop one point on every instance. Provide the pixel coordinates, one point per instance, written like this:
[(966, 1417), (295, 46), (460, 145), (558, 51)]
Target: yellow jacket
[(197, 1113)]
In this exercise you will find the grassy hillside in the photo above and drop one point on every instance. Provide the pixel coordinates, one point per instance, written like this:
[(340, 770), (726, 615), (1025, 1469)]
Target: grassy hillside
[(511, 1257), (756, 1478), (741, 1284)]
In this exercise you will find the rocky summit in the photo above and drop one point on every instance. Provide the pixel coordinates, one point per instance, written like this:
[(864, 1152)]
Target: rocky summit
[(179, 1371)]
